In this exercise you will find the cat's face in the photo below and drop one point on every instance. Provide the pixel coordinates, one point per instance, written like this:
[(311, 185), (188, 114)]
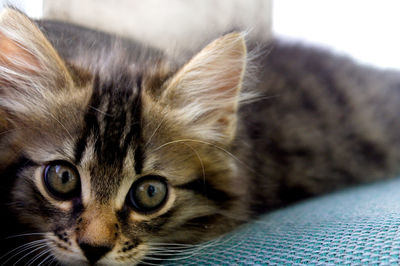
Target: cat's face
[(117, 168)]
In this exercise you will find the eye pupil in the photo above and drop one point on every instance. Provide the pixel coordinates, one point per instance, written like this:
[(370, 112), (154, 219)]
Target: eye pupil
[(65, 177), (151, 190)]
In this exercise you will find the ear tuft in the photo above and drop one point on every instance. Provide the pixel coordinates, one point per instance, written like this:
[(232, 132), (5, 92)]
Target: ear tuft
[(32, 75), (205, 92), (25, 54)]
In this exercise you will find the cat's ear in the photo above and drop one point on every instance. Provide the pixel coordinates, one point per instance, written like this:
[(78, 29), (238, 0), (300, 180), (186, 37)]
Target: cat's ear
[(204, 94), (27, 59), (32, 75)]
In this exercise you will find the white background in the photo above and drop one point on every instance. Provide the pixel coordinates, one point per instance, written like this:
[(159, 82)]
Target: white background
[(368, 30), (33, 8)]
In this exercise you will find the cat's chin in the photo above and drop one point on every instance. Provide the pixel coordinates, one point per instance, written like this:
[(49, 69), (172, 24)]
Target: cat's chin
[(68, 258)]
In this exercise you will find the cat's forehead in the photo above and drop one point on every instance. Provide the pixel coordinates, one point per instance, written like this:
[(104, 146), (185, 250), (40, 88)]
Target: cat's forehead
[(111, 128)]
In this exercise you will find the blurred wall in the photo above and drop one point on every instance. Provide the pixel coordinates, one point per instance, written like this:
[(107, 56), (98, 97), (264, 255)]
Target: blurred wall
[(33, 8), (172, 24)]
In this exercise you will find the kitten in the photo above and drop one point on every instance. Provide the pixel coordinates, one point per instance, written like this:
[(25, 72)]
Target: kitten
[(110, 149)]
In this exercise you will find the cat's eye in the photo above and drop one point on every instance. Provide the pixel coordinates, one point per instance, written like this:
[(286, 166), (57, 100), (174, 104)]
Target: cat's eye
[(62, 180), (148, 194)]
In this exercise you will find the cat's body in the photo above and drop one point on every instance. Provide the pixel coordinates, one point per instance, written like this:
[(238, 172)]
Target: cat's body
[(308, 123), (326, 123)]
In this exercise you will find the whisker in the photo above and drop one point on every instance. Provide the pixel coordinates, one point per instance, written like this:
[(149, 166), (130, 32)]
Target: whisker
[(201, 161), (27, 245), (155, 131), (135, 261), (31, 261), (30, 252), (52, 261), (175, 253), (34, 247), (146, 262), (58, 121), (174, 244), (27, 234), (100, 111), (181, 256), (47, 259), (167, 252), (187, 253), (177, 249), (57, 262), (207, 143), (15, 129), (173, 248)]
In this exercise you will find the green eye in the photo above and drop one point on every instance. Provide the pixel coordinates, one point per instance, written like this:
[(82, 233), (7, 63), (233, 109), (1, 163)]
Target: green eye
[(148, 194), (62, 180)]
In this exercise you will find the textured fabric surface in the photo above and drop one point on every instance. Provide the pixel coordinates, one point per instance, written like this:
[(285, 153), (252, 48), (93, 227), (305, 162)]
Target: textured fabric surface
[(351, 227)]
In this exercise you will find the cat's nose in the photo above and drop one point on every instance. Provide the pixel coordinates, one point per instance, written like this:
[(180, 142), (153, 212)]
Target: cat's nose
[(94, 253)]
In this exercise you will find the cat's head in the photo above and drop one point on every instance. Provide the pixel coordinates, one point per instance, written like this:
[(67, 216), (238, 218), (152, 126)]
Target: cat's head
[(117, 167)]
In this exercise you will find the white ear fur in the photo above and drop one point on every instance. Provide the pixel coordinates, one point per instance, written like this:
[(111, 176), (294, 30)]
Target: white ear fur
[(204, 94), (24, 50), (30, 68)]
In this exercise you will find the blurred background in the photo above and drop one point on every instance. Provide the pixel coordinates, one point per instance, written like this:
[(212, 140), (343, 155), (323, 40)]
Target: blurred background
[(368, 30)]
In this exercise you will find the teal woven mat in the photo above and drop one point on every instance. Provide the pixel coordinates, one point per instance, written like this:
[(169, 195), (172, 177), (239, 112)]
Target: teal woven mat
[(351, 227)]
